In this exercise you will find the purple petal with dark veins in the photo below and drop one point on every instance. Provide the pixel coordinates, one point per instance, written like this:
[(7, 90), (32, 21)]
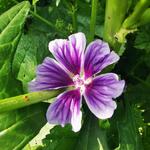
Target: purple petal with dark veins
[(97, 57), (99, 94), (66, 109), (50, 76), (69, 52)]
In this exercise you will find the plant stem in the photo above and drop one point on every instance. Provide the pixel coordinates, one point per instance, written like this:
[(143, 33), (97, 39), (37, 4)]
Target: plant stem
[(34, 7), (38, 16), (74, 18), (20, 101), (93, 19), (114, 15), (131, 22), (43, 20), (139, 9), (73, 11)]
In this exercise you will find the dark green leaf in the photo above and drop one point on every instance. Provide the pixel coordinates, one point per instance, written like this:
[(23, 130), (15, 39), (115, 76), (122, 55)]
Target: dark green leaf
[(139, 96), (4, 5), (128, 130), (91, 137), (18, 127), (31, 51), (143, 38)]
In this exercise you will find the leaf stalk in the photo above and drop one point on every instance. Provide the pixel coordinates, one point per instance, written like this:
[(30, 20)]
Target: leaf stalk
[(20, 101), (93, 19)]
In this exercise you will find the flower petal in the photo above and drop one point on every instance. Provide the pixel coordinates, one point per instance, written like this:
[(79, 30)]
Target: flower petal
[(99, 94), (50, 76), (97, 57), (109, 84), (66, 109), (69, 52)]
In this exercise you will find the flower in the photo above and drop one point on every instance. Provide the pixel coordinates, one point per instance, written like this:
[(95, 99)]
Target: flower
[(77, 69)]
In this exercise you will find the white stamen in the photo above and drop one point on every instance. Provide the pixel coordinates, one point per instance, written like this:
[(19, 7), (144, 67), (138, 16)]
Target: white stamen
[(81, 83), (88, 81)]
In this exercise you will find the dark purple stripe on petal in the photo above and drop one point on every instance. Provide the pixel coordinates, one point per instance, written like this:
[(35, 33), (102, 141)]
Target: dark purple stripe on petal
[(100, 92), (66, 109), (69, 52), (50, 76), (97, 57), (109, 84)]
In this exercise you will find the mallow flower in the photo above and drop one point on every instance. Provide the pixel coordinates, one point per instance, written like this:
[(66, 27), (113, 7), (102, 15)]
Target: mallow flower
[(77, 68)]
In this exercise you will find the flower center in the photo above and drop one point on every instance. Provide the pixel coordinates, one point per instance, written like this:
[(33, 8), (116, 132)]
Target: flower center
[(80, 82)]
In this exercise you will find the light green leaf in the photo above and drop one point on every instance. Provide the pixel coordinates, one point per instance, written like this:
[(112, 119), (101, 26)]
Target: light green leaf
[(18, 127), (11, 23), (31, 51)]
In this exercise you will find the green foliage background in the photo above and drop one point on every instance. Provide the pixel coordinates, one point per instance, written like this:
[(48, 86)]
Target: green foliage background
[(25, 30)]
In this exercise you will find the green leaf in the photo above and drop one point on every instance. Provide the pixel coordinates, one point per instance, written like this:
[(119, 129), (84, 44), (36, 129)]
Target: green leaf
[(11, 23), (61, 21), (60, 139), (34, 2), (18, 127), (142, 43), (129, 136), (4, 5), (30, 51), (139, 96), (91, 137), (143, 38), (133, 127)]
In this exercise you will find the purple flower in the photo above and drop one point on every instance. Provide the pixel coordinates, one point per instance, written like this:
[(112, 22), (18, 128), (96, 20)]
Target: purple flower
[(78, 69)]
